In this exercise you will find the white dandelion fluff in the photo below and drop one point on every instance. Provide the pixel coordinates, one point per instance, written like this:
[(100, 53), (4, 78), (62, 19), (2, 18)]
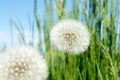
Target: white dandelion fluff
[(70, 36), (22, 63)]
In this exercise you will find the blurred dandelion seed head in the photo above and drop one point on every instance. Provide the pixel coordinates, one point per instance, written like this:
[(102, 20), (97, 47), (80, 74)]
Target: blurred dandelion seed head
[(70, 36), (22, 63)]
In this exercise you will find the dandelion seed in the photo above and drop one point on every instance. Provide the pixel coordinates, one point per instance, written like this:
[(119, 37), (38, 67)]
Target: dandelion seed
[(22, 63), (70, 36)]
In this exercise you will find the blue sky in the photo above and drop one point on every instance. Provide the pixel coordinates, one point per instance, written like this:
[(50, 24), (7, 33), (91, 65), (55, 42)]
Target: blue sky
[(21, 9), (15, 9)]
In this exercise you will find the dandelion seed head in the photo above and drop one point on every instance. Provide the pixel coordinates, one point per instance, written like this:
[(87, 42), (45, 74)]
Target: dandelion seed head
[(70, 36), (22, 63)]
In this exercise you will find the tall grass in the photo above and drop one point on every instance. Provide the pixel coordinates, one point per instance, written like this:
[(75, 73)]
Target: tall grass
[(101, 60)]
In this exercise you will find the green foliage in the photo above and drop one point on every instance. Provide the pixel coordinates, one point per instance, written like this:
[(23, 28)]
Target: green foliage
[(101, 60)]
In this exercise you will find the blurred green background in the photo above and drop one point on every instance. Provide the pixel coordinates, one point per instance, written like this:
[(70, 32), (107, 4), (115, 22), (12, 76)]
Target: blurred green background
[(99, 62)]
